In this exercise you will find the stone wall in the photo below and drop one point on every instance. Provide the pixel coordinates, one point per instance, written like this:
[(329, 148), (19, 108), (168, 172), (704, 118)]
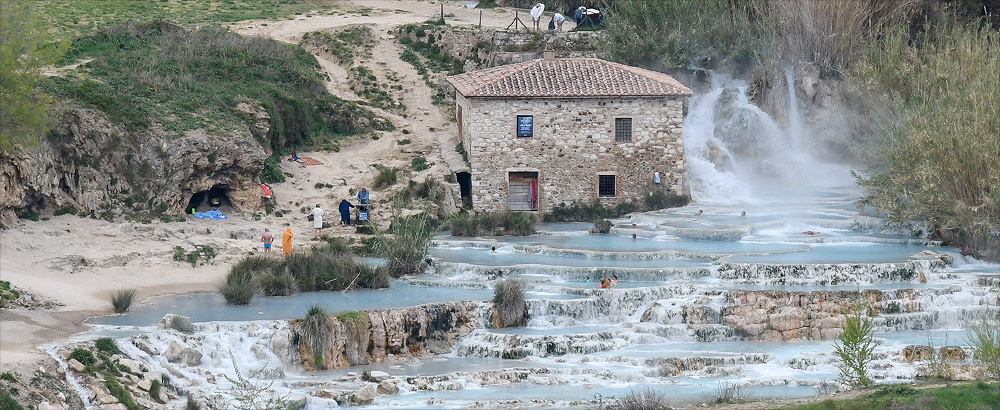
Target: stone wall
[(484, 48), (573, 142)]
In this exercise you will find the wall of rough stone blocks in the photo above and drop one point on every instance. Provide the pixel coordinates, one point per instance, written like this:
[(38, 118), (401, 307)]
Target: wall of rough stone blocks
[(573, 143)]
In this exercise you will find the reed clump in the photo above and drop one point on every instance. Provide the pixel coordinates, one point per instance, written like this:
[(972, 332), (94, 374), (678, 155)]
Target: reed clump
[(509, 302), (330, 267), (315, 331), (122, 299)]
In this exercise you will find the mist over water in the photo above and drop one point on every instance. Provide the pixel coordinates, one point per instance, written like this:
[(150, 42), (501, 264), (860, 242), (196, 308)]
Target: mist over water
[(737, 153)]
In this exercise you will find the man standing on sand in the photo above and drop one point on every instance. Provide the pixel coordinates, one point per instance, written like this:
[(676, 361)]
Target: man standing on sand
[(267, 239), (363, 196), (318, 219), (286, 241)]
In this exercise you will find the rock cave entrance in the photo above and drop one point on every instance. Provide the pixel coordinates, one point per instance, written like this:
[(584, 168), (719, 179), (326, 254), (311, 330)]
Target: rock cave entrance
[(465, 187), (203, 200)]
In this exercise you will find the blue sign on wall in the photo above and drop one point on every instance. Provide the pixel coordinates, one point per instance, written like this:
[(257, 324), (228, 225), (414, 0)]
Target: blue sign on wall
[(525, 123)]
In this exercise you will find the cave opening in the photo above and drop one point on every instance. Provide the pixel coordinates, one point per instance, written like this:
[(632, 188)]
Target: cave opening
[(465, 187), (215, 198)]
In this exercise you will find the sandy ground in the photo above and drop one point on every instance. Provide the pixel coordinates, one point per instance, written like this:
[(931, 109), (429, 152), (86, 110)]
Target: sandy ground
[(77, 263)]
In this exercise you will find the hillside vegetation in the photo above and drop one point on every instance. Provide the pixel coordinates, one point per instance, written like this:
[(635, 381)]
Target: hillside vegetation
[(929, 66), (75, 18), (140, 74)]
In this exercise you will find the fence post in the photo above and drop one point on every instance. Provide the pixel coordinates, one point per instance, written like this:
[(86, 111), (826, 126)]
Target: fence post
[(442, 13), (480, 18)]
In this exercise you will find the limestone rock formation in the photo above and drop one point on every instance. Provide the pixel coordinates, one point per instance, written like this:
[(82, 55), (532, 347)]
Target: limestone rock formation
[(405, 332), (93, 166)]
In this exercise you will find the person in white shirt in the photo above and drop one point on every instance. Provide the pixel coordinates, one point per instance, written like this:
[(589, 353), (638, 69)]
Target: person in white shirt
[(536, 14), (318, 219)]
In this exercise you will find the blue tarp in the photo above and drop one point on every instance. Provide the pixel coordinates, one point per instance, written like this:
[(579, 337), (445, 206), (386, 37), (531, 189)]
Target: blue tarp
[(213, 214)]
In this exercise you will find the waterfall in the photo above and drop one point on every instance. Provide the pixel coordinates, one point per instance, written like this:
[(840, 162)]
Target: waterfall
[(796, 128), (736, 152)]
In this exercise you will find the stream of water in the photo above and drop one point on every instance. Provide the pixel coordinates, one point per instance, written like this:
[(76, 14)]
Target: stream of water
[(693, 313)]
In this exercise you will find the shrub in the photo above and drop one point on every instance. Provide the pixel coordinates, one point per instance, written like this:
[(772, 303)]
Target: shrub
[(7, 402), (657, 200), (406, 249), (508, 299), (386, 177), (121, 393), (122, 299), (179, 253), (191, 404), (493, 223), (984, 337), (237, 289), (854, 346), (106, 344), (84, 356), (603, 226), (420, 163), (316, 332), (154, 389), (271, 284), (646, 399)]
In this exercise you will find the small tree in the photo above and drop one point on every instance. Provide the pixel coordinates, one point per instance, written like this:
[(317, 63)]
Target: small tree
[(984, 337), (855, 346)]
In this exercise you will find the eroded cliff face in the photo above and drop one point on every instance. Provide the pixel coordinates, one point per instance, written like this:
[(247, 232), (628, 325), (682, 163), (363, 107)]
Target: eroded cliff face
[(93, 166), (406, 332)]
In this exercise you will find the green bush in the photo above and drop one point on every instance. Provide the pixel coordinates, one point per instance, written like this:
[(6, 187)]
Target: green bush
[(107, 345), (122, 299), (237, 290), (84, 356), (7, 402), (493, 223), (121, 393), (191, 404), (271, 173), (386, 177), (603, 226), (508, 299), (271, 284), (420, 163), (179, 253), (154, 389)]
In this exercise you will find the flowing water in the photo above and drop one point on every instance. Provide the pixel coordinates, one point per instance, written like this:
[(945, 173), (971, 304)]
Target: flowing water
[(709, 297)]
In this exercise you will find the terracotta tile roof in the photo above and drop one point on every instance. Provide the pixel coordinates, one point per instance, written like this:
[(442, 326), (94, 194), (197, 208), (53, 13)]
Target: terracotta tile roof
[(566, 77)]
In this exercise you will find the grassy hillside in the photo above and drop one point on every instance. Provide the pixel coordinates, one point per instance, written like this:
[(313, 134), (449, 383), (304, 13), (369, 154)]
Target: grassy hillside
[(82, 17), (183, 80)]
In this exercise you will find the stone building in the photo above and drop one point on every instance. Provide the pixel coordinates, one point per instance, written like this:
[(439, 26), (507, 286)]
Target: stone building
[(565, 130)]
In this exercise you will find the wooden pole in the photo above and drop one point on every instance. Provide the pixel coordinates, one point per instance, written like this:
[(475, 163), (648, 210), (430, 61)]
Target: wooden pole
[(442, 13), (480, 18)]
